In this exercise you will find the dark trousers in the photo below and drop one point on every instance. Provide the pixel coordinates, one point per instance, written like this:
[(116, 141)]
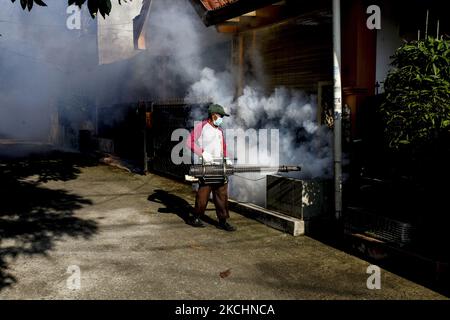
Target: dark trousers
[(220, 199)]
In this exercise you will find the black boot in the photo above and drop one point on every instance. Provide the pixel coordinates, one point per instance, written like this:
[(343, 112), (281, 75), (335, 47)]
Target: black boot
[(196, 222), (224, 225)]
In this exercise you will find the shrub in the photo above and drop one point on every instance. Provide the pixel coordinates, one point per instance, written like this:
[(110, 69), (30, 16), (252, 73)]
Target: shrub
[(416, 108)]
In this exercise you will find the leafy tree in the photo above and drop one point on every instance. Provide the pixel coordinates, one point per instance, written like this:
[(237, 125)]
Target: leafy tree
[(415, 114), (94, 6), (416, 109)]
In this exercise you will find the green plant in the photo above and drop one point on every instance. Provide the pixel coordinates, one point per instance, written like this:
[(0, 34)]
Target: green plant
[(416, 108)]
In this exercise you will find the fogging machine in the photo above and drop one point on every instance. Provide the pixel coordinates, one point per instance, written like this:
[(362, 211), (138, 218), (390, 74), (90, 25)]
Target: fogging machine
[(217, 173)]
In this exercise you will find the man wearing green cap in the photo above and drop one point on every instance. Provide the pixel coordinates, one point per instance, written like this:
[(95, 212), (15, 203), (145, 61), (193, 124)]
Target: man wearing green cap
[(207, 141)]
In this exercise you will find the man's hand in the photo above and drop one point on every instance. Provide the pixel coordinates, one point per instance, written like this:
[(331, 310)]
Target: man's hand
[(207, 157), (190, 178)]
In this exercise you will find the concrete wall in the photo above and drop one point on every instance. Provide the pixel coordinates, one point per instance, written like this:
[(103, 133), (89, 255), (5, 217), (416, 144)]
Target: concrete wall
[(115, 33), (302, 199), (388, 40)]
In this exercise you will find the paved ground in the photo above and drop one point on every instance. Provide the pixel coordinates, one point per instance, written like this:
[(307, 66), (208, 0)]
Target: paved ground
[(127, 235)]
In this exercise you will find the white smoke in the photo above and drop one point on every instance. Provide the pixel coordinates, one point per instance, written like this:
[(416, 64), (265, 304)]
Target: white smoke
[(42, 63), (302, 141), (212, 86), (52, 63)]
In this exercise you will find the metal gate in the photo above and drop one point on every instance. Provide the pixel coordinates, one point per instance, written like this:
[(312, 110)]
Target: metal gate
[(163, 119)]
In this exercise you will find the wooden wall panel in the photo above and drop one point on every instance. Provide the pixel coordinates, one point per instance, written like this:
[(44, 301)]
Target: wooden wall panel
[(290, 54)]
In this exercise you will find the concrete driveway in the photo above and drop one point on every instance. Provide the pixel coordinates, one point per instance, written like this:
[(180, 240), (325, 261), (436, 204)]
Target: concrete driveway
[(125, 235)]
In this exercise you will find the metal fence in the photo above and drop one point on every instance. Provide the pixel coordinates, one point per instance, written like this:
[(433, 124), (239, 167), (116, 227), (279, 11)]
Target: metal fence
[(165, 118), (379, 227)]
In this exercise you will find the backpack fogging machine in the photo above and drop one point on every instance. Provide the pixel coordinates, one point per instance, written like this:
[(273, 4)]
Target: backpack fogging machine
[(219, 172)]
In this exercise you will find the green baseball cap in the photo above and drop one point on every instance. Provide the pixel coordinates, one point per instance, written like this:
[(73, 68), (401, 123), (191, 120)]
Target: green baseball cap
[(217, 108)]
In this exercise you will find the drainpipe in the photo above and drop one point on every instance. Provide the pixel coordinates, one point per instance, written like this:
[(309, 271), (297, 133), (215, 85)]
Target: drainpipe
[(337, 108)]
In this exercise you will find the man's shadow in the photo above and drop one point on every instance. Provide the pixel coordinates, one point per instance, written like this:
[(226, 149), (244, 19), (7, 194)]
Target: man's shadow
[(177, 205)]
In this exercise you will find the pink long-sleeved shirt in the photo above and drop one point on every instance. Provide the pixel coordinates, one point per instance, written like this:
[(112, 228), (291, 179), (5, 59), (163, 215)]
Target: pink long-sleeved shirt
[(207, 137)]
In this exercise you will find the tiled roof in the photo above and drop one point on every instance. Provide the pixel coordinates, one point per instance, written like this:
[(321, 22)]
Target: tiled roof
[(216, 11), (216, 4)]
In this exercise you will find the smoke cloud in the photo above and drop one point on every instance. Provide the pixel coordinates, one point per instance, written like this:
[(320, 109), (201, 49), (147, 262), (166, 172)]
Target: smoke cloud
[(42, 63), (302, 141), (44, 67)]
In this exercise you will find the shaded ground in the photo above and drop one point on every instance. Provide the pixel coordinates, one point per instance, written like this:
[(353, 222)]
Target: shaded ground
[(128, 236), (32, 216)]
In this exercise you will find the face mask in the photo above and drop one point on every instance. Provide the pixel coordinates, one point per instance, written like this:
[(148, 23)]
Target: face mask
[(218, 122)]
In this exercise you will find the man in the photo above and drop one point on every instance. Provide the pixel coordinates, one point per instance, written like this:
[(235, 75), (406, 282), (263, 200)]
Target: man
[(207, 141)]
